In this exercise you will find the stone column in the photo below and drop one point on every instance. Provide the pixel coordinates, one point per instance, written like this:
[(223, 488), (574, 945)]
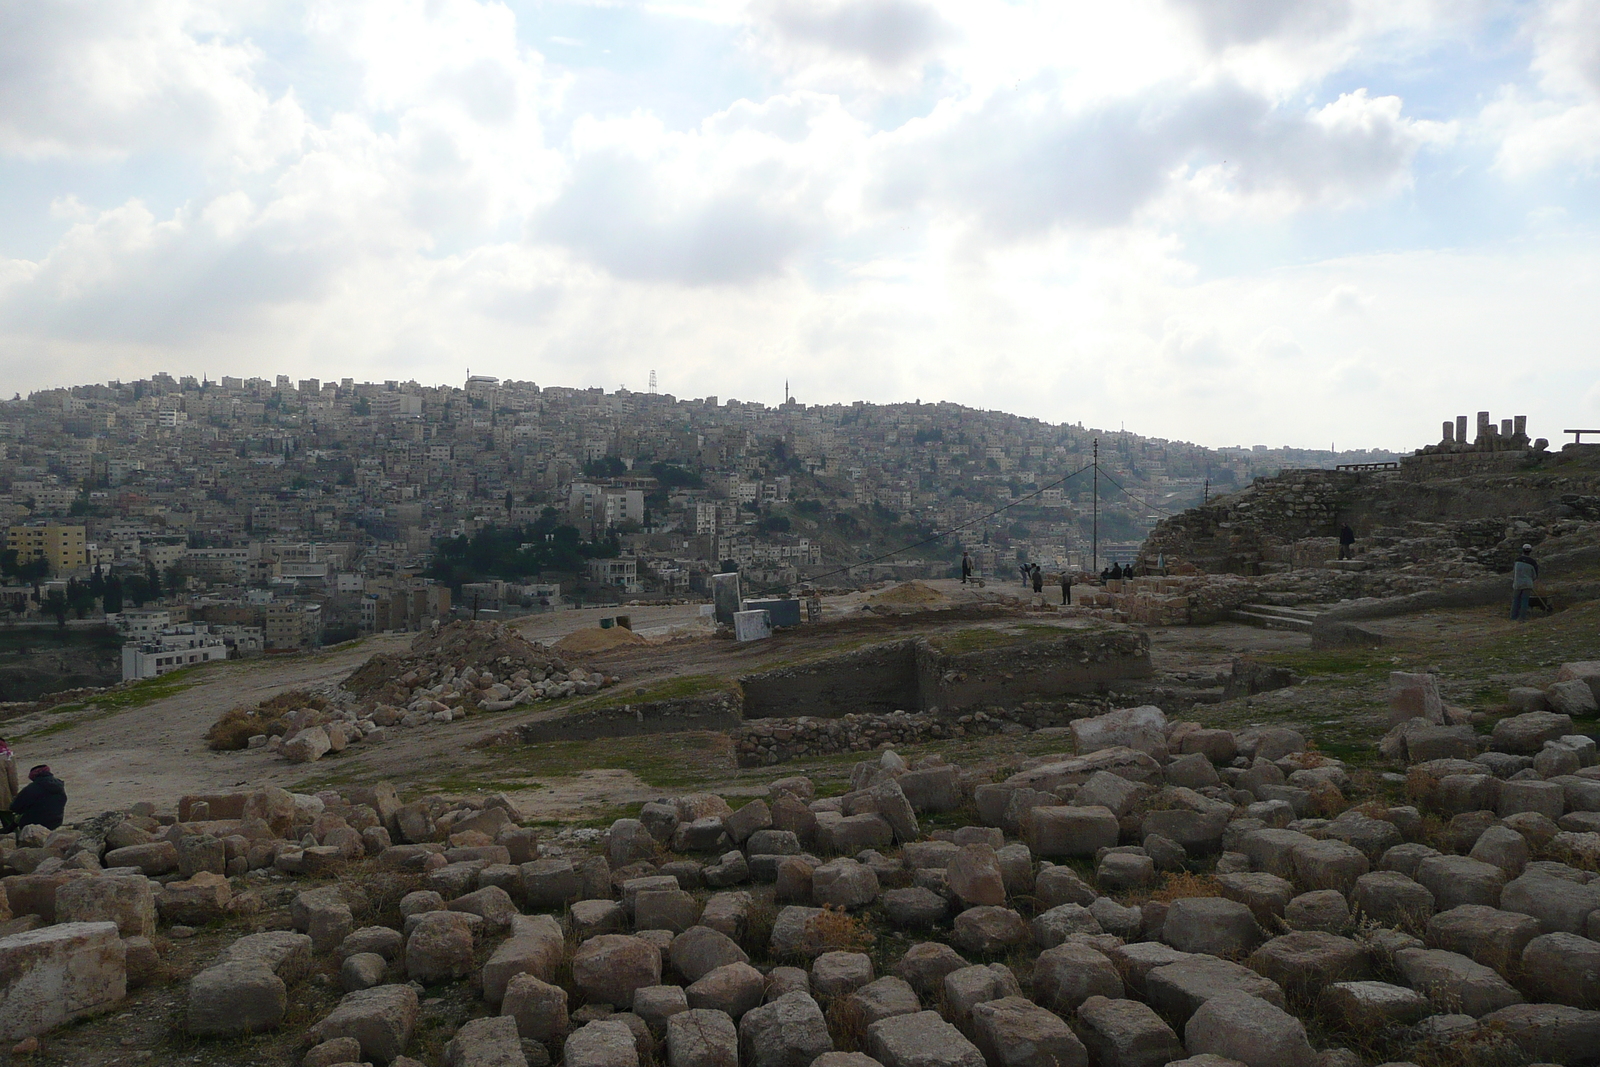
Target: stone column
[(725, 596), (1461, 429), (1519, 426), (1449, 432), (1505, 428)]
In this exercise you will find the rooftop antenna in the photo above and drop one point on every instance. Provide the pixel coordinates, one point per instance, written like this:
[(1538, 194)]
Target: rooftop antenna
[(652, 383)]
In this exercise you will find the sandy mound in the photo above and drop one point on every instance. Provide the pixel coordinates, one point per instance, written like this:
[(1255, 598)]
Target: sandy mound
[(595, 639), (909, 594), (484, 645)]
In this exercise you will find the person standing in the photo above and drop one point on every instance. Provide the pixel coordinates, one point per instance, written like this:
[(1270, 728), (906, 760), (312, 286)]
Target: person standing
[(966, 568), (1038, 583), (8, 776), (42, 802), (1066, 586), (1347, 540), (1524, 572)]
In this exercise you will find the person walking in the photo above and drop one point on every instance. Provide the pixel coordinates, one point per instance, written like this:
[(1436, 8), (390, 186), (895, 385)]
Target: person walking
[(966, 568), (1524, 572), (1066, 586), (1038, 583), (1347, 540), (42, 802)]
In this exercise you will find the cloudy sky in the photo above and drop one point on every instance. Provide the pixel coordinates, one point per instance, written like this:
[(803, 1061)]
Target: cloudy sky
[(1230, 221)]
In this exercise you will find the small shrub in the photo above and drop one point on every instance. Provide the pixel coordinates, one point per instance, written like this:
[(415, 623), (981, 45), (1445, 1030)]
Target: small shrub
[(839, 931), (234, 729)]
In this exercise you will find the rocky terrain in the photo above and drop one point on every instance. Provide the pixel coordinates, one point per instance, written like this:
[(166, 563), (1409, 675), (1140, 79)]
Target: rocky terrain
[(1151, 891)]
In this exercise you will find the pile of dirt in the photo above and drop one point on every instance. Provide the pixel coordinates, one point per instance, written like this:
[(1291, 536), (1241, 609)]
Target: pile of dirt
[(909, 594), (595, 639), (459, 645)]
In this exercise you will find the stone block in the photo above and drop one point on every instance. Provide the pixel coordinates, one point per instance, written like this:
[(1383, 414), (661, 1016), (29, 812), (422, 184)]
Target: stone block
[(609, 968), (883, 998), (1266, 895), (363, 970), (1367, 1007), (1573, 697), (786, 1032), (855, 833), (490, 1042), (922, 1039), (1249, 1030), (126, 900), (967, 987), (1489, 936), (1057, 925), (1564, 968), (153, 859), (1322, 909), (702, 1038), (733, 988), (985, 931), (665, 909), (235, 998), (1392, 899), (1305, 961), (603, 1043), (1014, 1032), (1125, 1033), (381, 1019), (1178, 989), (1213, 925), (52, 975), (1560, 905), (1546, 798), (844, 883), (1143, 729), (1066, 976), (538, 1008), (536, 946), (925, 966), (1457, 880), (1526, 734), (975, 877), (1065, 832), (1328, 865), (837, 974), (1550, 1033), (1448, 978), (440, 947), (1056, 885), (283, 952)]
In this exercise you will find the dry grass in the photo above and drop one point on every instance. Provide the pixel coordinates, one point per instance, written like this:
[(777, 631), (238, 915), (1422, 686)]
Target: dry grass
[(847, 1025), (839, 931), (1180, 884), (234, 729)]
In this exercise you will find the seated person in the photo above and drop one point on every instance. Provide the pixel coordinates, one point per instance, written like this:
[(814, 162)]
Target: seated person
[(42, 801)]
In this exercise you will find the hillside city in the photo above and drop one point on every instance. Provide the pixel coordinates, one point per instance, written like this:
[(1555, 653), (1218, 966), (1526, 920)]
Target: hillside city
[(207, 519)]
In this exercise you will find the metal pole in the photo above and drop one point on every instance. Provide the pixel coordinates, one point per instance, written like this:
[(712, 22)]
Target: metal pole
[(1094, 567)]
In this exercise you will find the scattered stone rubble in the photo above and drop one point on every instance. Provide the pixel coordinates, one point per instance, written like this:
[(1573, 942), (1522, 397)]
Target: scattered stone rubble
[(1165, 893), (450, 673)]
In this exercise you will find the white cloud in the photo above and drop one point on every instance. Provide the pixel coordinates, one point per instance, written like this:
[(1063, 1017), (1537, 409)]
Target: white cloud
[(992, 202), (105, 78)]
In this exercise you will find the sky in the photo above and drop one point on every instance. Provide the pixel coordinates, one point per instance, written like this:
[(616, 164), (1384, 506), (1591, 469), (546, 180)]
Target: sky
[(1326, 222)]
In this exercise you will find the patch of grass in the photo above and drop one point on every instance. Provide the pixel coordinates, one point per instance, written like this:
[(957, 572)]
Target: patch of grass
[(103, 705), (682, 687)]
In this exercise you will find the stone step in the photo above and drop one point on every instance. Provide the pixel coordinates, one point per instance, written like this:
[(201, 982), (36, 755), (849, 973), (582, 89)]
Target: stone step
[(1270, 620)]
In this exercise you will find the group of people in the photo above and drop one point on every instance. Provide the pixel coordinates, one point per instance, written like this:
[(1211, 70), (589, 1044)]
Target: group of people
[(42, 802)]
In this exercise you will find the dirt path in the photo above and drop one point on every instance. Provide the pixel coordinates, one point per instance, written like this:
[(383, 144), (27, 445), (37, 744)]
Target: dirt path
[(157, 752)]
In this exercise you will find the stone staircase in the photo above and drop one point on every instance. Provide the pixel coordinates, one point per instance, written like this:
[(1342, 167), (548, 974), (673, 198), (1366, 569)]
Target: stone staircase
[(1275, 617)]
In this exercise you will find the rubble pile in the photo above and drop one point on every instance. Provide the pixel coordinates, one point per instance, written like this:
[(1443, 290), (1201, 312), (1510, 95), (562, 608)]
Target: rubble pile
[(450, 673), (1163, 893)]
